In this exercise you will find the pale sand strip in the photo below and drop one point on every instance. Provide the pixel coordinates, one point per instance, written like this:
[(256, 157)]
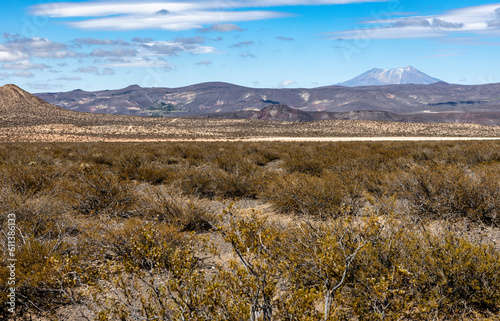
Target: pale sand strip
[(364, 139), (305, 139)]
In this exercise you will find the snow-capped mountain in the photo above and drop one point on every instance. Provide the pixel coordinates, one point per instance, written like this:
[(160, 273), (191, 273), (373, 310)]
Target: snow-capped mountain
[(396, 76)]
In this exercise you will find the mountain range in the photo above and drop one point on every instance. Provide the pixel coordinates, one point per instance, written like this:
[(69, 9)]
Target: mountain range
[(437, 102)]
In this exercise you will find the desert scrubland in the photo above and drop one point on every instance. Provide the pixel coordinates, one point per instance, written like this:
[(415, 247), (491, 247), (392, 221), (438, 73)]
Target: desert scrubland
[(251, 230)]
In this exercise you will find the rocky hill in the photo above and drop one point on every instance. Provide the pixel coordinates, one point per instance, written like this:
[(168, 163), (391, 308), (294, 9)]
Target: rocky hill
[(20, 108)]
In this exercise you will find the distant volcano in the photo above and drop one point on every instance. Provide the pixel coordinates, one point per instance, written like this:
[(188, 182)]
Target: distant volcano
[(396, 76)]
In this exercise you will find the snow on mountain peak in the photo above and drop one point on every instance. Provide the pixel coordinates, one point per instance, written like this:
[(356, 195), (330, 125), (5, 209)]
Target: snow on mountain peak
[(402, 75)]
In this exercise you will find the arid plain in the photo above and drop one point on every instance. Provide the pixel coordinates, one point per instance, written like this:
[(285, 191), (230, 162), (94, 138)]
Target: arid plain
[(24, 117)]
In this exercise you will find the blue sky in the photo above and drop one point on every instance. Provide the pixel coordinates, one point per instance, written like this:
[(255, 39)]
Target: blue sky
[(95, 45)]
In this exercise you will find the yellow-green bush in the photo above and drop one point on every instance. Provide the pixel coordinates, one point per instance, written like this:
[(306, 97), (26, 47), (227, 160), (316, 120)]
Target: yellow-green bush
[(44, 272), (96, 191), (28, 180), (166, 204), (210, 181), (451, 191), (325, 196)]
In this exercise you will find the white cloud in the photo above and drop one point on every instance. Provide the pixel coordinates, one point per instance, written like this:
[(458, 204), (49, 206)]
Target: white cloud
[(287, 83), (389, 33), (69, 78), (23, 73), (477, 19), (190, 40), (242, 44), (174, 22), (186, 15), (94, 41), (222, 27), (102, 9), (139, 63), (44, 48), (96, 71), (24, 65), (62, 54), (107, 72), (23, 48), (16, 52), (40, 86), (116, 52), (8, 55), (204, 63), (173, 48), (277, 3), (247, 54), (89, 69)]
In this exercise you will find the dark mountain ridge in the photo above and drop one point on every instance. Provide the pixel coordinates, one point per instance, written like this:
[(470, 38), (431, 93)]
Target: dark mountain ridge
[(479, 103), (285, 113)]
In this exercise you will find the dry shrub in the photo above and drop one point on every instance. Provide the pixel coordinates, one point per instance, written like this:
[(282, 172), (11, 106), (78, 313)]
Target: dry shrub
[(261, 155), (140, 244), (193, 154), (480, 153), (368, 268), (44, 270), (42, 217), (101, 159), (306, 195), (165, 204), (9, 200), (210, 181), (307, 161), (127, 165), (28, 179), (153, 173), (450, 192), (373, 182), (98, 192), (347, 268), (411, 274), (200, 181), (487, 195), (154, 274)]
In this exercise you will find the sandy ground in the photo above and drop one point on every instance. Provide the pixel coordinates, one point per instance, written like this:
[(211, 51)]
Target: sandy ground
[(155, 130)]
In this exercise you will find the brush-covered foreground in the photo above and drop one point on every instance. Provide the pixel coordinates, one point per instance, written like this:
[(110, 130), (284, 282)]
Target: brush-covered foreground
[(252, 231)]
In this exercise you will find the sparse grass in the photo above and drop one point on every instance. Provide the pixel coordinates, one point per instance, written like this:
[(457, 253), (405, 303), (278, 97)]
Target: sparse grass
[(351, 234)]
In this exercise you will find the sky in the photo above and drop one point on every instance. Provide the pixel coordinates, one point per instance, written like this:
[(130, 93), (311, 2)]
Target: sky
[(52, 46)]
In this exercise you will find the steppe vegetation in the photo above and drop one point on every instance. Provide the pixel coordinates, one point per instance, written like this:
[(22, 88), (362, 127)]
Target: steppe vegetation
[(253, 231), (136, 129)]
